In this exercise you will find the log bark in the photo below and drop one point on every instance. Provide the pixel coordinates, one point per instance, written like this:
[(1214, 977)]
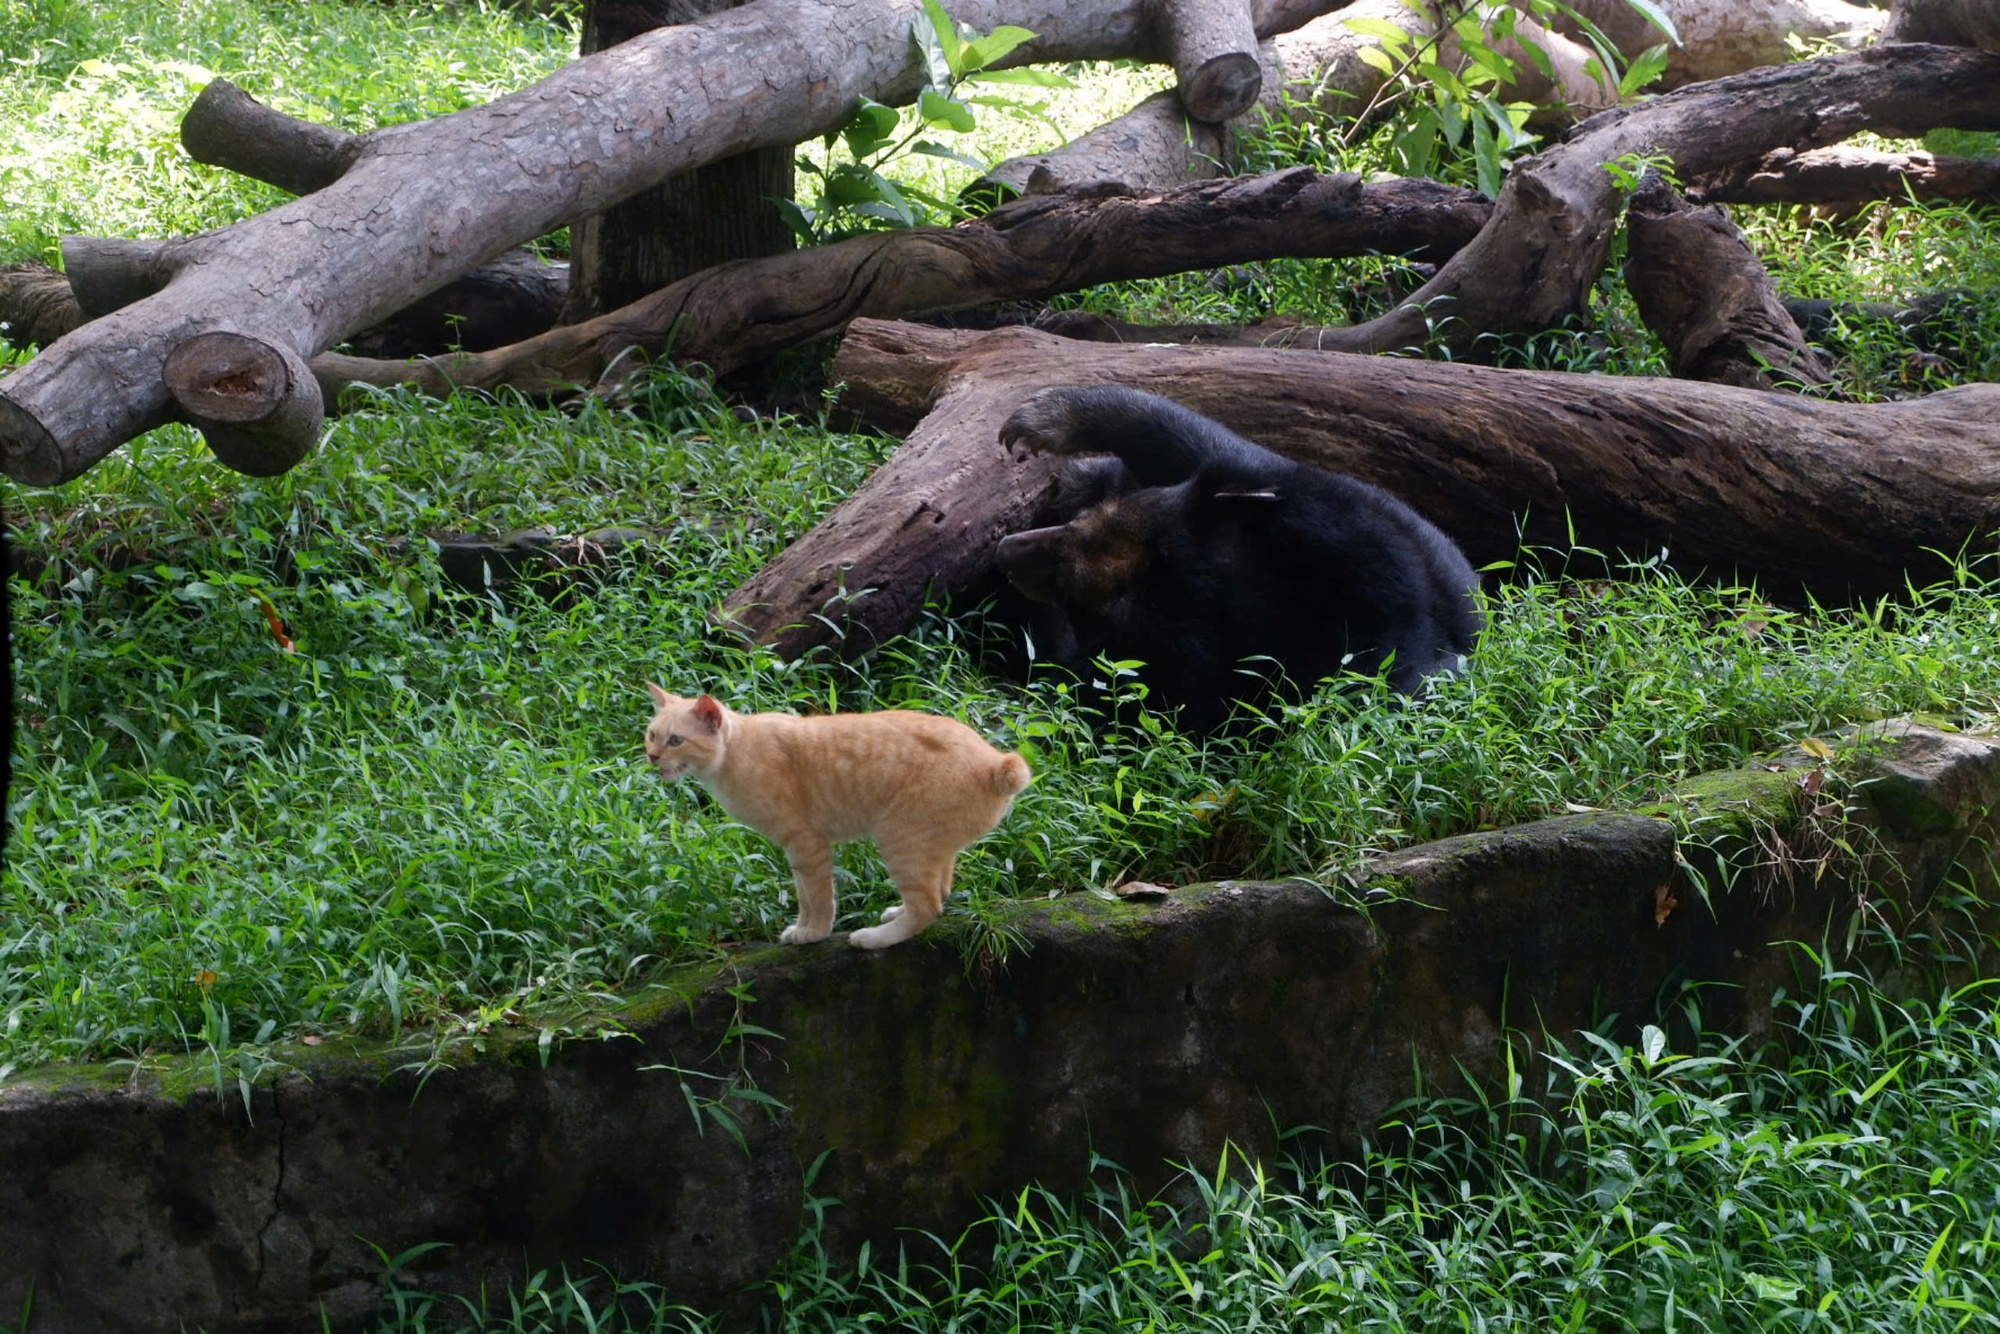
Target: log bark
[(1835, 499), (424, 202), (1318, 65), (690, 222), (516, 296), (1704, 292), (1843, 175), (1950, 22), (1214, 46), (36, 305), (738, 313)]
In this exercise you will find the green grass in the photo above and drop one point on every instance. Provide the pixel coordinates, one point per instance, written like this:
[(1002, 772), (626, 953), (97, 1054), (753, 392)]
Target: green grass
[(434, 806), (435, 809)]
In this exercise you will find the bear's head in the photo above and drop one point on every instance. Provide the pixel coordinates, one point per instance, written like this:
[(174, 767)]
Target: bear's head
[(1094, 559)]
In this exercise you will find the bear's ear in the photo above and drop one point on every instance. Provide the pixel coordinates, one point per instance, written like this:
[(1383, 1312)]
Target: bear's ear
[(708, 712)]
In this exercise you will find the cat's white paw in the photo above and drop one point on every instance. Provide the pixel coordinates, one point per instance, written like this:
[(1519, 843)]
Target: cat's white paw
[(876, 937), (796, 934), (891, 914)]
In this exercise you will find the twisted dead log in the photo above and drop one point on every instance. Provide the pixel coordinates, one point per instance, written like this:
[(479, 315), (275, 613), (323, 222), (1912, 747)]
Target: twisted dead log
[(1833, 498), (735, 314)]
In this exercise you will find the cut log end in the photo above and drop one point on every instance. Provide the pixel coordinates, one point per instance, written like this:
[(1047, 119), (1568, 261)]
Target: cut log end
[(1222, 88), (256, 402), (28, 451)]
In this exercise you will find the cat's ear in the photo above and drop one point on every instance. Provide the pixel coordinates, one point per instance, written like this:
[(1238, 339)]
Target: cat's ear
[(708, 712), (660, 697)]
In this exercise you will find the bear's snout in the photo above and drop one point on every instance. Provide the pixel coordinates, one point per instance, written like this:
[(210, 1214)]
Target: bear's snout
[(1033, 562)]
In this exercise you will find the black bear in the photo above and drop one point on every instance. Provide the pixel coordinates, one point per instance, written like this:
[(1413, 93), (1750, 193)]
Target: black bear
[(1194, 550)]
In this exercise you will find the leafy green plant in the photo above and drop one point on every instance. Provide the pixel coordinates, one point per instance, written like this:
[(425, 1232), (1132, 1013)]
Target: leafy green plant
[(1445, 78), (854, 194)]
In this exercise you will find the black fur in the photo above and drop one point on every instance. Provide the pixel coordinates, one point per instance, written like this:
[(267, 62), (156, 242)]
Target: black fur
[(1194, 549)]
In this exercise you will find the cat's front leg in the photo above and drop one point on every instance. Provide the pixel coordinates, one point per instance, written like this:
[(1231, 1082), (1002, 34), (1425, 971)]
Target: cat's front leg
[(812, 874)]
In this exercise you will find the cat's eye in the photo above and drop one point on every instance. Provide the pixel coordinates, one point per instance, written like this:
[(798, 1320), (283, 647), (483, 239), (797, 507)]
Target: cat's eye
[(673, 741)]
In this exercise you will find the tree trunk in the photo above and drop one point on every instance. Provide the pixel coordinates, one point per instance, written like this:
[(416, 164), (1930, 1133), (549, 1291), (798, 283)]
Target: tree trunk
[(736, 314), (424, 202), (1700, 287), (711, 215), (1832, 498)]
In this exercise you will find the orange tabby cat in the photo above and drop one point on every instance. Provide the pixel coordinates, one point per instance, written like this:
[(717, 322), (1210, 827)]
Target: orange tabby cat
[(923, 787)]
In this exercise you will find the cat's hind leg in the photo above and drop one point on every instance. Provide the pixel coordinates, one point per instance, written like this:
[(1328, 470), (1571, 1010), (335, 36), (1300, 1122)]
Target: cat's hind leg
[(892, 913), (924, 880), (812, 873)]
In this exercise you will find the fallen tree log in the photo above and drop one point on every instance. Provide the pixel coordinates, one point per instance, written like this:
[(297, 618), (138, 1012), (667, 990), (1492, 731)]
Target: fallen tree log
[(1533, 266), (1843, 175), (1319, 66), (1835, 499), (735, 314), (424, 202)]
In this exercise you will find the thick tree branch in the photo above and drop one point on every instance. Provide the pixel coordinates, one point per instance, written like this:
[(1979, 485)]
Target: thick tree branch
[(1702, 289), (1843, 175)]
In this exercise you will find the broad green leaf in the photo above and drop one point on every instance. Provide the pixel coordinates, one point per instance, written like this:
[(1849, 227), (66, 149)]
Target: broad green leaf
[(940, 44), (930, 149), (1647, 66), (1380, 29), (1040, 78), (1375, 57), (994, 46), (946, 113), (870, 128), (1486, 157)]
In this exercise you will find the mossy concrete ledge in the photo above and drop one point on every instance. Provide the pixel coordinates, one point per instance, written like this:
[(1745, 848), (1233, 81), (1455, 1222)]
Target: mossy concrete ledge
[(1150, 1034)]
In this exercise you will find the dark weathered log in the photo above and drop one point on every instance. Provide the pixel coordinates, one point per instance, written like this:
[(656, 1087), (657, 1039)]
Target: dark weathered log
[(226, 127), (1950, 22), (36, 305), (424, 202), (1214, 46), (1835, 498), (1843, 175), (255, 401), (730, 316), (1702, 289)]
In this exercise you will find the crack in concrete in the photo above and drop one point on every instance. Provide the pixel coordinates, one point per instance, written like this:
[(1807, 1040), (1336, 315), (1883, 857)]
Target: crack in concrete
[(277, 1192)]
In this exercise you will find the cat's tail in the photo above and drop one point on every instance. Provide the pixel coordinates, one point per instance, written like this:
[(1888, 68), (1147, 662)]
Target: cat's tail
[(1010, 775)]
